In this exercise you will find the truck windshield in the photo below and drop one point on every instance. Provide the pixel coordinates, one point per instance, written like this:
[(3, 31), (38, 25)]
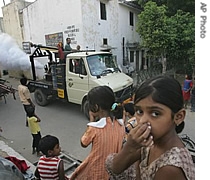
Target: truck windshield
[(101, 65)]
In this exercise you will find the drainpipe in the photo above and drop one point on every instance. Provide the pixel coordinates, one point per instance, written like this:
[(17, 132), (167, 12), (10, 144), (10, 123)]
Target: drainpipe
[(123, 48)]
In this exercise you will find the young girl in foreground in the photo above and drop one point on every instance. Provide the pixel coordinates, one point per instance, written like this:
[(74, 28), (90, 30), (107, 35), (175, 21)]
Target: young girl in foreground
[(153, 144)]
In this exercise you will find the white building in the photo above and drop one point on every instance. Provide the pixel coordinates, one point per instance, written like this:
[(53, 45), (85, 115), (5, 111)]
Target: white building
[(12, 19), (93, 24), (12, 24)]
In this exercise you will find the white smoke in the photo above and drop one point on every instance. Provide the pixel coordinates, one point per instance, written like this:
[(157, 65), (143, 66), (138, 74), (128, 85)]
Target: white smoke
[(12, 57)]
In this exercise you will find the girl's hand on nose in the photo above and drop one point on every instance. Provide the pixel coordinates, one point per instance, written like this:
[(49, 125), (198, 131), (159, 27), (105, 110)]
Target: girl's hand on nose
[(140, 136), (146, 138)]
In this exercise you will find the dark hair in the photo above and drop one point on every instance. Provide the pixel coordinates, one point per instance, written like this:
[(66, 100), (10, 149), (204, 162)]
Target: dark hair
[(164, 90), (23, 80), (47, 143), (180, 127), (129, 107), (118, 111), (189, 76), (30, 111), (103, 97)]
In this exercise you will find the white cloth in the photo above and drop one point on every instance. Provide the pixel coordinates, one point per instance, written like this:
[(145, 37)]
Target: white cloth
[(102, 123)]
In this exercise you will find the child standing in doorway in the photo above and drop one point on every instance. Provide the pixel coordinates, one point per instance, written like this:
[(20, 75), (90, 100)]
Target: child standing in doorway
[(50, 166), (33, 123), (105, 132), (154, 144)]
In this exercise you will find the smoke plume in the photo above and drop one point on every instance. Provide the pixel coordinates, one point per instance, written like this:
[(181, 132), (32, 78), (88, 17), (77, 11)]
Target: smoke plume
[(12, 57)]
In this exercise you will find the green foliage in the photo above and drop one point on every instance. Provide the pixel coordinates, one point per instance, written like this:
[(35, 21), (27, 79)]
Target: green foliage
[(184, 5), (173, 5), (181, 49), (168, 36), (158, 2), (152, 27)]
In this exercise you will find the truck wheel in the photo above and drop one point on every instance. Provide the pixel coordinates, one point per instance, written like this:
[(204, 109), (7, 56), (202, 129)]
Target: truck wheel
[(85, 109), (40, 97)]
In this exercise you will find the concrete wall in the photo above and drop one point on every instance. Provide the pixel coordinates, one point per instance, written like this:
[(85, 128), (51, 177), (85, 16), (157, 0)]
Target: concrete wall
[(13, 25), (131, 37), (12, 19), (80, 20), (1, 25), (50, 16)]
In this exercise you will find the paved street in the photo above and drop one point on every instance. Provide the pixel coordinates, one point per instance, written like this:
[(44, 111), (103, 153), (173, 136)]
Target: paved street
[(63, 120)]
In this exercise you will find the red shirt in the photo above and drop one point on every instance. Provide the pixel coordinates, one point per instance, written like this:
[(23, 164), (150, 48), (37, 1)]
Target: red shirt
[(60, 53)]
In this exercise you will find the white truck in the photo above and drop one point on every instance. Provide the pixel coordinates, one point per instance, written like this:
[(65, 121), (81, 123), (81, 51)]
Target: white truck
[(71, 79)]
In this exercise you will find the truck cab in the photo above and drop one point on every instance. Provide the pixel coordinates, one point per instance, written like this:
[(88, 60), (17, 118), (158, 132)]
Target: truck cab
[(72, 78)]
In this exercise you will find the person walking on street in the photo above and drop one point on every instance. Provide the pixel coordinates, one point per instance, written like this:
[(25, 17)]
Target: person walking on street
[(25, 96)]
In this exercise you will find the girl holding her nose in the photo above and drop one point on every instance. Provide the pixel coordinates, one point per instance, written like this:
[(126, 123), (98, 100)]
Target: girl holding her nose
[(154, 145)]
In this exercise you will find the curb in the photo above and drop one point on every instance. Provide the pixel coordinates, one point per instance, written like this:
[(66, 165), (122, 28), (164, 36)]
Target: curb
[(5, 150)]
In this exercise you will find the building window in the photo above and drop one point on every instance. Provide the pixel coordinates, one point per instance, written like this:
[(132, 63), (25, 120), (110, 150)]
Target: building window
[(131, 56), (103, 11), (131, 19), (105, 42)]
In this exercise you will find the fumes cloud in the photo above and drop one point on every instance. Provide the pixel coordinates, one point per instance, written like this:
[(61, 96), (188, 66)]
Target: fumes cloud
[(12, 57)]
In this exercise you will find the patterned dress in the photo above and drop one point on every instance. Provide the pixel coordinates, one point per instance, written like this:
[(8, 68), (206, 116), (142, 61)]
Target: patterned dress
[(179, 157), (106, 137)]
